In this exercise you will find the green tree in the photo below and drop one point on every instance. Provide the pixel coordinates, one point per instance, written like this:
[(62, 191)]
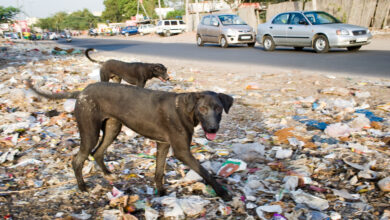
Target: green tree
[(175, 14), (7, 14), (120, 10)]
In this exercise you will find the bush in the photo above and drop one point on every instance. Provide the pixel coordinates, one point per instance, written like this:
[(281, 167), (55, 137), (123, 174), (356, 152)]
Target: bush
[(175, 14)]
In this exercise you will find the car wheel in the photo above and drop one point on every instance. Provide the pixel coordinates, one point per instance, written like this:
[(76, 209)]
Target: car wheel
[(251, 44), (354, 48), (321, 44), (298, 48), (199, 41), (167, 33), (268, 43), (127, 34), (223, 42), (142, 34)]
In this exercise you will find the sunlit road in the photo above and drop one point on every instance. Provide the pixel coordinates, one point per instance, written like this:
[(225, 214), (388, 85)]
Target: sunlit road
[(371, 60)]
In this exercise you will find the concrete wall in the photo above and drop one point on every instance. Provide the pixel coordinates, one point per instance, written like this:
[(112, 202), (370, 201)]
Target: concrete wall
[(368, 13), (248, 14)]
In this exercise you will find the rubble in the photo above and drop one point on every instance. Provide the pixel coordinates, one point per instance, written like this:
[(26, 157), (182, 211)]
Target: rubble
[(292, 147)]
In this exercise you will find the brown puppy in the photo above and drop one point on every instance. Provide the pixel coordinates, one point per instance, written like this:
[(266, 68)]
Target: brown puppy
[(134, 73), (167, 117)]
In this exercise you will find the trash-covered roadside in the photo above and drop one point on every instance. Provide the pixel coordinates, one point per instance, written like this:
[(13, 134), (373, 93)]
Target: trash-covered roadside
[(292, 147)]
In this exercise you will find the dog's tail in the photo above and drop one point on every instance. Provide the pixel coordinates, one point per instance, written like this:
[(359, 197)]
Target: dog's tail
[(89, 58), (62, 95)]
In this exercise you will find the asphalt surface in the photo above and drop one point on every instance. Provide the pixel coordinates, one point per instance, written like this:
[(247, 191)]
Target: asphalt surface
[(372, 60)]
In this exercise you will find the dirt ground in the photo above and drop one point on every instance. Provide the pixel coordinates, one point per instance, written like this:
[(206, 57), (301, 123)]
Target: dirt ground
[(342, 172)]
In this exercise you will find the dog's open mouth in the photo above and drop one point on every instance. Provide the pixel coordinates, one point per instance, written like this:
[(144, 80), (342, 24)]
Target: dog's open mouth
[(162, 79), (210, 136)]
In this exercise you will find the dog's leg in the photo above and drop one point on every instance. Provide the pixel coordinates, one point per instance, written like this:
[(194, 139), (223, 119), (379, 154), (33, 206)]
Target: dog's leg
[(183, 153), (104, 75), (162, 151), (110, 131), (89, 135)]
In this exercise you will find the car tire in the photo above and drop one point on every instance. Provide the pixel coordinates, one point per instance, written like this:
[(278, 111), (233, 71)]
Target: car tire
[(354, 48), (321, 44), (127, 34), (167, 33), (251, 44), (223, 42), (298, 48), (199, 41), (268, 43), (142, 34)]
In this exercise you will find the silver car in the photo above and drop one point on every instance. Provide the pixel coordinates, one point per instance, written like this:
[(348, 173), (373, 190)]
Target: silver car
[(316, 29), (224, 29)]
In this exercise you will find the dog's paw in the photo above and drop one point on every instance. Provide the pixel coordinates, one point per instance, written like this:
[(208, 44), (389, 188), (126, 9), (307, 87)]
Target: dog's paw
[(82, 187), (161, 192)]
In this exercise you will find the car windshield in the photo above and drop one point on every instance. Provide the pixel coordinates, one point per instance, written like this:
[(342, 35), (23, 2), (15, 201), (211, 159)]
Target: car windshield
[(320, 18), (231, 20)]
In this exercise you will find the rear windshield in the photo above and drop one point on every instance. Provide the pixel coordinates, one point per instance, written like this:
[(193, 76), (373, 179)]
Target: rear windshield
[(320, 17)]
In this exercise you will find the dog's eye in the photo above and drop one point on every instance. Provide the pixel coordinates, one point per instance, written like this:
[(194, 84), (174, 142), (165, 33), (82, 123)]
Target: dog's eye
[(202, 109), (218, 109)]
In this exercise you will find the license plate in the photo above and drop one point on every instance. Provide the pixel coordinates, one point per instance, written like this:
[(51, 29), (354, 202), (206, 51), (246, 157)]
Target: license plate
[(361, 39), (245, 37)]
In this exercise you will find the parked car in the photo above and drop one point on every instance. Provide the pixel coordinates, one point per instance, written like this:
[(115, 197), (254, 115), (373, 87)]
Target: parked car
[(146, 29), (316, 29), (169, 27), (92, 32), (10, 35), (224, 29), (53, 36), (129, 30)]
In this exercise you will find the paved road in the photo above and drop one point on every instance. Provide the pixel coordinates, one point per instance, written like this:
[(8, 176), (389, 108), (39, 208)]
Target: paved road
[(371, 60)]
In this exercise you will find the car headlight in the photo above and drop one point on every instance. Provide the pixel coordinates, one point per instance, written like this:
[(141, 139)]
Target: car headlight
[(342, 32), (368, 31), (230, 32)]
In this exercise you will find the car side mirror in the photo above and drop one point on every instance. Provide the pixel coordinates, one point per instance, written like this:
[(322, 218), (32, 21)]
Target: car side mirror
[(215, 23), (303, 22)]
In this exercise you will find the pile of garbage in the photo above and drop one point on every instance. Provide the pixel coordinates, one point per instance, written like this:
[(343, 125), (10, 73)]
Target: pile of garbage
[(281, 153)]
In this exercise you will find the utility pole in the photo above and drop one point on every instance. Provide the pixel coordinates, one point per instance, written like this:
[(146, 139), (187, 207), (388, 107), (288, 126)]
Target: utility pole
[(197, 13), (159, 6), (187, 16), (314, 4)]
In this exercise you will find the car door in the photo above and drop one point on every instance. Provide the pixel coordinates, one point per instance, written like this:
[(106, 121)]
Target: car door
[(278, 28), (298, 30), (213, 30), (202, 28)]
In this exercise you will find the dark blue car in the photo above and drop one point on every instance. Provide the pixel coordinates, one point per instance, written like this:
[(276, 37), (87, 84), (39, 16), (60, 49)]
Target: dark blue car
[(129, 30)]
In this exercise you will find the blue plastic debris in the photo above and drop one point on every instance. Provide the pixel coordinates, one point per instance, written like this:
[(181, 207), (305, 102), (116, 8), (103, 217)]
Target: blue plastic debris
[(310, 122), (317, 138), (369, 115)]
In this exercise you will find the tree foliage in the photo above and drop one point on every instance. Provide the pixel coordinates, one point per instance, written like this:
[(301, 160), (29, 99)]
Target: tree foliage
[(8, 13), (175, 14), (79, 20), (121, 10)]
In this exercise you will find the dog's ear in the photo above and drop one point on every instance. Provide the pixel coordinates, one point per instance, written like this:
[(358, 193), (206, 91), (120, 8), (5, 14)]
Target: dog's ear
[(227, 101), (190, 100), (158, 67)]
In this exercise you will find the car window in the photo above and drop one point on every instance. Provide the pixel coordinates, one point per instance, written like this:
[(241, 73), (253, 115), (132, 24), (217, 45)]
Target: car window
[(173, 22), (320, 17), (231, 20), (281, 19), (206, 20), (295, 18), (159, 23), (213, 20), (181, 22), (166, 22)]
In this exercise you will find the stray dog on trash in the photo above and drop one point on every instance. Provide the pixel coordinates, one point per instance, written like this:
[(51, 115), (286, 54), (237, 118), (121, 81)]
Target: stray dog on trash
[(167, 117), (134, 73)]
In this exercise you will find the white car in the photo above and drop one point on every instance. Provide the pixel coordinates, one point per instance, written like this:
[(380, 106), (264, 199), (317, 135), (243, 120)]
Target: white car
[(316, 29), (168, 27), (146, 29)]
